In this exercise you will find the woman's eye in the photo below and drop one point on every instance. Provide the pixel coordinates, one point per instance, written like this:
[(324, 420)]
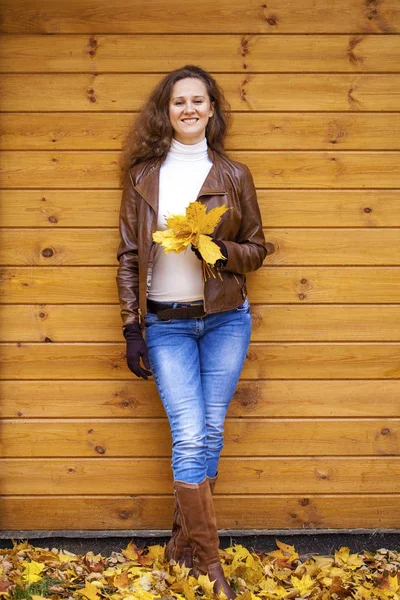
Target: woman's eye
[(196, 101)]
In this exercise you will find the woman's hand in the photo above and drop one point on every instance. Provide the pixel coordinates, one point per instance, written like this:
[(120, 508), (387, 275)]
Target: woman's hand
[(136, 347)]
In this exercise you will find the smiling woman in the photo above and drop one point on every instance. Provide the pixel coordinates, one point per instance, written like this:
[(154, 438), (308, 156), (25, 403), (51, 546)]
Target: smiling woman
[(189, 110), (197, 331)]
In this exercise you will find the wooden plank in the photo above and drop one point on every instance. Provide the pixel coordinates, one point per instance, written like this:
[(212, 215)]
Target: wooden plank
[(315, 323), (151, 438), (63, 285), (269, 169), (155, 512), (255, 131), (290, 360), (306, 16), (292, 246), (332, 246), (135, 398), (271, 323), (279, 208), (115, 92), (283, 475), (219, 53)]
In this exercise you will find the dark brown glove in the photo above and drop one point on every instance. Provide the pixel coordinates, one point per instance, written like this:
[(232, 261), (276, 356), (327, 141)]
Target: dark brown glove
[(220, 263), (136, 347)]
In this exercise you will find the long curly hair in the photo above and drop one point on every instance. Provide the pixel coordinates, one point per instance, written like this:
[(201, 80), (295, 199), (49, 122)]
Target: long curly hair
[(151, 132)]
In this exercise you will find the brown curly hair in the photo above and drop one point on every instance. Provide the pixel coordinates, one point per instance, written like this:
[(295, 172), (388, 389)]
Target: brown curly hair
[(151, 132)]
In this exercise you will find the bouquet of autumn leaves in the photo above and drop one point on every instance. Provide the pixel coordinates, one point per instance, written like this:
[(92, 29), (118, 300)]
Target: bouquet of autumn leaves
[(193, 228)]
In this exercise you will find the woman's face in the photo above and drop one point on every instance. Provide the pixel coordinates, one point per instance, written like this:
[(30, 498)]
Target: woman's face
[(189, 110)]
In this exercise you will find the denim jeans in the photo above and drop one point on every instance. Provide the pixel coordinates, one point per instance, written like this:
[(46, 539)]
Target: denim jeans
[(196, 364)]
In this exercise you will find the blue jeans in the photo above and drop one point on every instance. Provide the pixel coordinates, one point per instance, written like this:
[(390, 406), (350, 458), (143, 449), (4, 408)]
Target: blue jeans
[(196, 364)]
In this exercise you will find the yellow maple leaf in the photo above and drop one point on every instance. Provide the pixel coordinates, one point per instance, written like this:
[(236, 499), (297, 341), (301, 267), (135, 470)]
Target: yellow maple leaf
[(208, 249), (130, 551), (285, 554), (192, 228), (352, 561), (202, 221), (156, 552), (207, 585), (394, 585), (180, 224), (32, 570), (304, 584), (188, 590), (90, 591), (66, 557)]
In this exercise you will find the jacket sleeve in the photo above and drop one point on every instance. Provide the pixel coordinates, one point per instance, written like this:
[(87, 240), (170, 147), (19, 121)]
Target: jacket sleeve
[(248, 252), (127, 255)]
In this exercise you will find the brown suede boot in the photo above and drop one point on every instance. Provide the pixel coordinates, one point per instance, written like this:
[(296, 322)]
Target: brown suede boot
[(200, 528), (178, 548)]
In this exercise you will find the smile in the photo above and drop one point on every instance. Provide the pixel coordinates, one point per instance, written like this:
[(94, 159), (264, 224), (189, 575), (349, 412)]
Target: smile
[(190, 121)]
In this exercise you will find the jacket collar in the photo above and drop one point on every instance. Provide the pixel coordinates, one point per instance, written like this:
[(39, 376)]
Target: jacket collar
[(148, 187)]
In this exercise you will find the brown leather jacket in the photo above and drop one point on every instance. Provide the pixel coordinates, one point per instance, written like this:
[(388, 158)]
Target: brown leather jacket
[(228, 182)]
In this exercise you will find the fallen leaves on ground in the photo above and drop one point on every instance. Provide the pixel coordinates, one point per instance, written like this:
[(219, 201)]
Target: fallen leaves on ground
[(134, 573)]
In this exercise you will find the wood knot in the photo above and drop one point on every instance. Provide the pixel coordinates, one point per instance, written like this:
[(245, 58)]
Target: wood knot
[(385, 431), (47, 252), (125, 514), (48, 340), (100, 450), (367, 210), (53, 219), (304, 502)]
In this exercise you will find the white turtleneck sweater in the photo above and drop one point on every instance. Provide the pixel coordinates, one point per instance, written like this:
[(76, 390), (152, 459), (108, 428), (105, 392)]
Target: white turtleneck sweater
[(178, 277)]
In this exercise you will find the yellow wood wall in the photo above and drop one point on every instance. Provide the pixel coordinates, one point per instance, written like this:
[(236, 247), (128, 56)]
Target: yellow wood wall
[(313, 434)]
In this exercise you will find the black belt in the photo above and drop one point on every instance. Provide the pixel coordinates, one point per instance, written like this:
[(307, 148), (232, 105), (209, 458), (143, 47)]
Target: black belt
[(165, 310)]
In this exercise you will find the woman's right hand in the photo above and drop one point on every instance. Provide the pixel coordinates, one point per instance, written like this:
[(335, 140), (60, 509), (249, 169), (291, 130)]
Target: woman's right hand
[(136, 347)]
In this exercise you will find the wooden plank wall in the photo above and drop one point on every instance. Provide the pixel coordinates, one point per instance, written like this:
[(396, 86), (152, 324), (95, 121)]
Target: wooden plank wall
[(313, 434)]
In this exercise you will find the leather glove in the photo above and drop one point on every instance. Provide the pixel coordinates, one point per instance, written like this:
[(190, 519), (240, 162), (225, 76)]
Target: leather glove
[(136, 347), (220, 263)]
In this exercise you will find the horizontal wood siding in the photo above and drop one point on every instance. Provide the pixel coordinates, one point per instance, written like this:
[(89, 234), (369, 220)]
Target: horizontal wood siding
[(312, 437)]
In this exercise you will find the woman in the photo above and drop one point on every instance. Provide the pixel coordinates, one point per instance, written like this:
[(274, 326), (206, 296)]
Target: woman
[(197, 330)]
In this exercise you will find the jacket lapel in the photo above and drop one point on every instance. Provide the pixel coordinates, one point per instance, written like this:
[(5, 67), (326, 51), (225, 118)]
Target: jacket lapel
[(149, 185)]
